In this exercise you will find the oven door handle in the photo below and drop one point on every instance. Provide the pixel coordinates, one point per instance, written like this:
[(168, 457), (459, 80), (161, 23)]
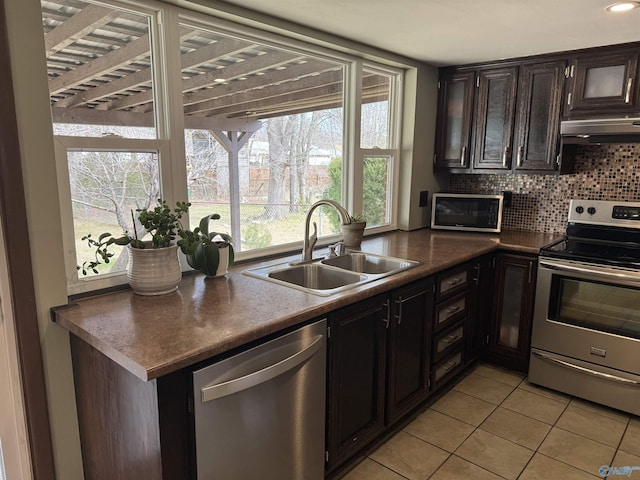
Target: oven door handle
[(587, 371), (591, 270)]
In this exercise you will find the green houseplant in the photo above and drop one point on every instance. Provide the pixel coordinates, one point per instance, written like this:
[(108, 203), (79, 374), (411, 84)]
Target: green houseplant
[(161, 222), (153, 267), (207, 251)]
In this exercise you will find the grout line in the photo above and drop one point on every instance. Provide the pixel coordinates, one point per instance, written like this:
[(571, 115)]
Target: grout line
[(535, 452)]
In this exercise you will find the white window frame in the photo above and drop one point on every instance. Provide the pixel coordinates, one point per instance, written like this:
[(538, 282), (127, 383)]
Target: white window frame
[(63, 145), (169, 145)]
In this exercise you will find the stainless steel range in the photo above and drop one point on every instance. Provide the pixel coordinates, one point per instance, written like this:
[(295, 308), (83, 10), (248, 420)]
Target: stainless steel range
[(586, 327)]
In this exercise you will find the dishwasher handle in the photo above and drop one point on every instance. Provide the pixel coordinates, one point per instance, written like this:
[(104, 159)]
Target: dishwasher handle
[(263, 375)]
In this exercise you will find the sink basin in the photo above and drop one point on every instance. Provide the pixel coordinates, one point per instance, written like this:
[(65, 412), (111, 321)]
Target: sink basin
[(332, 275), (369, 263), (317, 277)]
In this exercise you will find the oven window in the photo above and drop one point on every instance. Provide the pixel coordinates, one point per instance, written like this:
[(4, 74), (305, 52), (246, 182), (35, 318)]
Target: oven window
[(598, 306)]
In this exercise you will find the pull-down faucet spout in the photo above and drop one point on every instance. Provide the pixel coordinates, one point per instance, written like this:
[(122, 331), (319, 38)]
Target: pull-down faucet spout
[(310, 241)]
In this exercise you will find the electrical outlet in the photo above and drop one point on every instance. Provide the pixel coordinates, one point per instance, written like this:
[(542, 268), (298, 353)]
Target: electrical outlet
[(424, 198)]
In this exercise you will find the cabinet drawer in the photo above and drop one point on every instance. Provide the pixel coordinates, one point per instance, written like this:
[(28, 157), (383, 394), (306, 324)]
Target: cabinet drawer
[(448, 341), (447, 368), (450, 311), (453, 282)]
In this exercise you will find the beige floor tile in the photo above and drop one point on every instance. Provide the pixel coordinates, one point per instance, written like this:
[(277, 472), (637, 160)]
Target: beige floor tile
[(496, 373), (592, 425), (631, 439), (535, 406), (545, 392), (624, 463), (409, 456), (440, 430), (456, 468), (484, 388), (542, 467), (516, 427), (495, 454), (459, 405), (577, 451), (600, 409), (370, 470)]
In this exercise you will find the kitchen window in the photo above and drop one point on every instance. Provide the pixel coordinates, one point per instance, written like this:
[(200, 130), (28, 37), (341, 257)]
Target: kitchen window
[(149, 100)]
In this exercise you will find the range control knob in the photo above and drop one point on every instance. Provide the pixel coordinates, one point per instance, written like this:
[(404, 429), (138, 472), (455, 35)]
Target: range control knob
[(591, 210), (579, 209)]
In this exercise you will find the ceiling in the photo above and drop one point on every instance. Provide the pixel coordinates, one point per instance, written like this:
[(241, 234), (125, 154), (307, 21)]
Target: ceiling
[(455, 32)]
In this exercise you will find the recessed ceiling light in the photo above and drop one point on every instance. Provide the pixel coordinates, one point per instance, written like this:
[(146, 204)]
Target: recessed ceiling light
[(623, 6)]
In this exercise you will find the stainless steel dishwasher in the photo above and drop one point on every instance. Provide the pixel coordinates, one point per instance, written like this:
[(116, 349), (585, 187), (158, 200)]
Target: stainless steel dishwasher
[(261, 414)]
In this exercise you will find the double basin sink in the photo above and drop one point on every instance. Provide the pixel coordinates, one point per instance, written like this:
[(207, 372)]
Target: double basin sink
[(332, 275)]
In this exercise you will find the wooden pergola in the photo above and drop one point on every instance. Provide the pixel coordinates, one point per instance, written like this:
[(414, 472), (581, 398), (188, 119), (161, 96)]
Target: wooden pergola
[(99, 67)]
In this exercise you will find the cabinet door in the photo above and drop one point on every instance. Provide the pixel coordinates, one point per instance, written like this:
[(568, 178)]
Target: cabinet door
[(356, 377), (510, 336), (539, 105), (479, 311), (409, 348), (495, 112), (455, 105), (604, 83)]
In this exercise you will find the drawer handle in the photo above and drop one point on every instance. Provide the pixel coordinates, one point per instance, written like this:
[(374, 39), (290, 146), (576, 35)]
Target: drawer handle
[(449, 365), (453, 309), (449, 339), (455, 281)]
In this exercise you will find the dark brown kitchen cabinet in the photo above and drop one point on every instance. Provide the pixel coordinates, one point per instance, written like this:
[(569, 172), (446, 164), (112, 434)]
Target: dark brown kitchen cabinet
[(450, 324), (494, 116), (510, 331), (356, 377), (379, 358), (537, 134), (604, 83), (455, 111), (479, 317), (409, 351)]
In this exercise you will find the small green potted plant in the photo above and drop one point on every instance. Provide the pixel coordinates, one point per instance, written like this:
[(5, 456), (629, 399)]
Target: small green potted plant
[(207, 251), (153, 267), (353, 232)]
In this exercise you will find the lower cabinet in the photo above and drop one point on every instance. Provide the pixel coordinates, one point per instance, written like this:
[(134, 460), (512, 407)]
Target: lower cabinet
[(378, 366), (389, 353), (408, 348), (481, 289), (356, 370), (510, 329)]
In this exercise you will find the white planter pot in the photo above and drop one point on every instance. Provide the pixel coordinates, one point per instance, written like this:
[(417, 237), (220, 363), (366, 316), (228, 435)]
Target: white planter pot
[(352, 234), (154, 271)]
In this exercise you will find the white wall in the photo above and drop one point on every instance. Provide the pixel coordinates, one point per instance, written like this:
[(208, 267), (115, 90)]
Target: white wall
[(36, 146), (26, 43)]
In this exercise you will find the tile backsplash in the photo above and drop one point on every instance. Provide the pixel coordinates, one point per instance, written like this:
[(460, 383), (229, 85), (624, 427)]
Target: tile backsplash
[(541, 202)]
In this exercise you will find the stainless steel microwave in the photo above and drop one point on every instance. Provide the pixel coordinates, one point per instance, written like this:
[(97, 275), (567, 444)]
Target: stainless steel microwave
[(470, 212)]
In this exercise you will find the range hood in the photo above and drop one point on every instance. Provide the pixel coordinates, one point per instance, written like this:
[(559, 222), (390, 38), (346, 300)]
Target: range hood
[(603, 130)]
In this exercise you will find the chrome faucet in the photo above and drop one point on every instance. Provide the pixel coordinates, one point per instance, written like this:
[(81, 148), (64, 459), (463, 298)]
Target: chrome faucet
[(310, 241)]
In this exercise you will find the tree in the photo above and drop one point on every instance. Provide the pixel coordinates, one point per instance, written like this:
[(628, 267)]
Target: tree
[(374, 189)]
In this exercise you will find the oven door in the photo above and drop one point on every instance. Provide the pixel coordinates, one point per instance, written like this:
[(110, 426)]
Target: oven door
[(589, 312)]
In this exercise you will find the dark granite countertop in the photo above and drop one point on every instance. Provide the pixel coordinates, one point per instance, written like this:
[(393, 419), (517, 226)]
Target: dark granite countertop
[(154, 336)]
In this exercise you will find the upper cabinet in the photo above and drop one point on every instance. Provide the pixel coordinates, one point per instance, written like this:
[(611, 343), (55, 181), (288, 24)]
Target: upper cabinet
[(493, 120), (603, 84), (505, 116), (537, 134), (455, 108)]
